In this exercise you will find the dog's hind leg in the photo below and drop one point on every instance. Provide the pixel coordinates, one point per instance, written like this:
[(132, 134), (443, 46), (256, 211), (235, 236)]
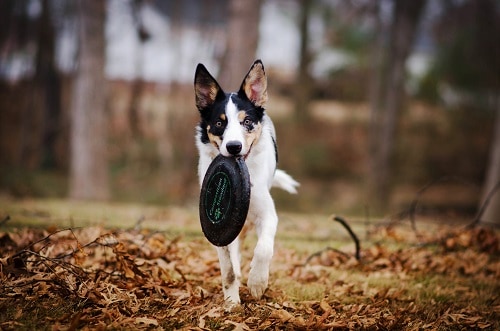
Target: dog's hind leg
[(230, 271), (266, 224)]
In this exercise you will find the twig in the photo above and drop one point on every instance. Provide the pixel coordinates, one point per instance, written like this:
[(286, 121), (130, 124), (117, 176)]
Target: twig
[(138, 223), (60, 257), (6, 218), (41, 240), (184, 279), (318, 253), (413, 206), (353, 235), (51, 264), (99, 241), (74, 269)]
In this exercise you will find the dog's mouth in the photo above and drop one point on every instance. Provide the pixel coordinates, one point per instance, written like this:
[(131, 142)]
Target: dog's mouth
[(244, 156), (248, 153)]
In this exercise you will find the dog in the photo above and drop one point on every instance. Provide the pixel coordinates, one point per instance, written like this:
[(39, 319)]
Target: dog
[(236, 125)]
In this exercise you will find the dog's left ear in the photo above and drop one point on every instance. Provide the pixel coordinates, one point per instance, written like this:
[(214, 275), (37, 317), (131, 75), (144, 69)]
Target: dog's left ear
[(254, 86)]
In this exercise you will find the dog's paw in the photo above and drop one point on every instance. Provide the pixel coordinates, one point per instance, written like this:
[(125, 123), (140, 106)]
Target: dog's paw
[(231, 306), (231, 294), (257, 283)]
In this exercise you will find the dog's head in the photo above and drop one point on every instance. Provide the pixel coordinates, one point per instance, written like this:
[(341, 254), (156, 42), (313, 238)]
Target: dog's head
[(232, 122)]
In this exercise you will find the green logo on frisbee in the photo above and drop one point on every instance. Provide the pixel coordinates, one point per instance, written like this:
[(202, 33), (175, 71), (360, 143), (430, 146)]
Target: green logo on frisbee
[(218, 197)]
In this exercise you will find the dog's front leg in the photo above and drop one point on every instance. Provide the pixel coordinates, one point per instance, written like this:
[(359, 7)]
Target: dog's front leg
[(229, 260), (266, 222)]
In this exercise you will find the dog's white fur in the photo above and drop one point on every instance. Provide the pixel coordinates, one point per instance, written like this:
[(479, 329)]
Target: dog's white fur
[(261, 162)]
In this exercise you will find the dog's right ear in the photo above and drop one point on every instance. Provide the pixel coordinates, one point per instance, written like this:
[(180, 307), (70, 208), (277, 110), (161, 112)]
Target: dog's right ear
[(206, 88)]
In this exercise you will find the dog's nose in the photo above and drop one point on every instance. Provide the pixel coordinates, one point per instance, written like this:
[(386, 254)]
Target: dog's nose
[(233, 147)]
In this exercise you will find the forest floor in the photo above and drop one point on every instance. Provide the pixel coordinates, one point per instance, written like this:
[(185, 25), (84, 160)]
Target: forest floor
[(68, 265)]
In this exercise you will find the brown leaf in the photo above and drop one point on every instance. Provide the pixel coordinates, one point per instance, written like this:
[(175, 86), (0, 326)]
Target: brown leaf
[(212, 313), (325, 306), (146, 321), (282, 315), (238, 326)]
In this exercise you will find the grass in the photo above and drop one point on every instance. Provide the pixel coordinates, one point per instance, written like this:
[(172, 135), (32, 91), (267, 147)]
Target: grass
[(72, 213)]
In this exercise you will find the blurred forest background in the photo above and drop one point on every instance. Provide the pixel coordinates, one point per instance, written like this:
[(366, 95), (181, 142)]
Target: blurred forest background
[(375, 102)]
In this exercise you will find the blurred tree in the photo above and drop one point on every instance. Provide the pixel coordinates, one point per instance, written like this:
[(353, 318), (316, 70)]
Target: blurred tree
[(47, 88), (468, 33), (137, 84), (303, 82), (89, 154), (492, 180), (20, 120), (29, 126), (242, 41), (387, 106)]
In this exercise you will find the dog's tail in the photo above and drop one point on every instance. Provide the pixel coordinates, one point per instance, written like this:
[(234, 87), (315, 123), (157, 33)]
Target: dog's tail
[(285, 182)]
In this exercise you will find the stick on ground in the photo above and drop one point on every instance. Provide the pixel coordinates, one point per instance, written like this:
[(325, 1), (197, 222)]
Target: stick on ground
[(353, 235)]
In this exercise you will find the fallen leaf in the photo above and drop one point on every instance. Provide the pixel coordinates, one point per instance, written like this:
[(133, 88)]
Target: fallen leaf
[(238, 326), (146, 321)]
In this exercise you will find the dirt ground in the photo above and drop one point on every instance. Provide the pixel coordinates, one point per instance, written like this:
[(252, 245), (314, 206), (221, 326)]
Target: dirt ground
[(68, 265)]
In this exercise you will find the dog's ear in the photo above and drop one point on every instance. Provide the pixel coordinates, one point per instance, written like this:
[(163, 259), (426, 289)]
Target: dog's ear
[(206, 88), (254, 86)]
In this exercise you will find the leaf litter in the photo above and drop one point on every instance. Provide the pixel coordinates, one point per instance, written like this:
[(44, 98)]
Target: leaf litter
[(96, 278)]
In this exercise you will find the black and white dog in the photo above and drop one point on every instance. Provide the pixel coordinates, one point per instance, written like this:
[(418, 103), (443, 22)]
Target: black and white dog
[(236, 124)]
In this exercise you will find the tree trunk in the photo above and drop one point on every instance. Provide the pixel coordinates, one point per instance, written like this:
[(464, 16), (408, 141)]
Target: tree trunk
[(492, 213), (302, 95), (376, 89), (405, 20), (89, 157), (47, 91), (24, 105), (242, 41)]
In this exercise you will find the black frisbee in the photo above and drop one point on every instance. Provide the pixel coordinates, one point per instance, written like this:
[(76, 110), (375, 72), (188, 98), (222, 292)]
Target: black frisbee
[(224, 199)]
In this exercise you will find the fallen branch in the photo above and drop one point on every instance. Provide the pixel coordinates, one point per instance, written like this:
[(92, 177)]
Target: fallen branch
[(32, 244), (99, 241), (414, 203), (353, 235), (318, 253)]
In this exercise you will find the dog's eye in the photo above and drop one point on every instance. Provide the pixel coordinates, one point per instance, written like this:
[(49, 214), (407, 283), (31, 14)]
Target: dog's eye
[(218, 124), (247, 122)]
